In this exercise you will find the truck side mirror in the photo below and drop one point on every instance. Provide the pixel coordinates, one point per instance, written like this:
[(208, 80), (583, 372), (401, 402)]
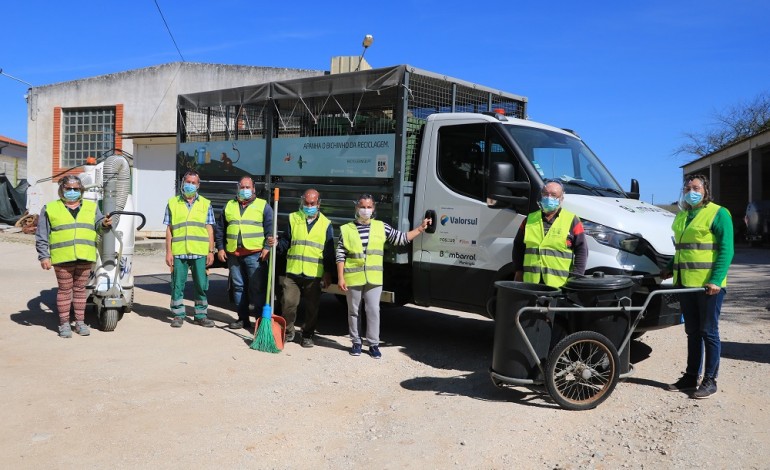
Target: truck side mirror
[(634, 193), (503, 191)]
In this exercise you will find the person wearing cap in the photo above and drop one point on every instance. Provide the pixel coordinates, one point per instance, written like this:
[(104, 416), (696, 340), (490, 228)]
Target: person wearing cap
[(240, 237), (308, 243), (189, 221), (66, 240), (703, 238), (550, 244)]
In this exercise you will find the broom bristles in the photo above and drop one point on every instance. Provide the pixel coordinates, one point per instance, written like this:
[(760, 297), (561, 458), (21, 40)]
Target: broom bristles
[(263, 337)]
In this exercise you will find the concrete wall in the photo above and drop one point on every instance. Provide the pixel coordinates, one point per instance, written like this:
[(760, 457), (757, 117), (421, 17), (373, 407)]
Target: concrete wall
[(149, 99), (15, 168), (13, 161)]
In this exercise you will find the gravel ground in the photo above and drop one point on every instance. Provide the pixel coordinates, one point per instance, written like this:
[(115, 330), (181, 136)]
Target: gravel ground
[(148, 396)]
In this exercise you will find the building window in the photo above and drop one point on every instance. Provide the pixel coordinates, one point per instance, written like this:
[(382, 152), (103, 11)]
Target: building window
[(86, 132)]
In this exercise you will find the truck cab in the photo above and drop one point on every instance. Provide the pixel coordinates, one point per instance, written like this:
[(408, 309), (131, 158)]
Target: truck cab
[(479, 176)]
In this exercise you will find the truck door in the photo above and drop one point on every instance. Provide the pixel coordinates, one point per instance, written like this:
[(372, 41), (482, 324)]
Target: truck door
[(459, 262)]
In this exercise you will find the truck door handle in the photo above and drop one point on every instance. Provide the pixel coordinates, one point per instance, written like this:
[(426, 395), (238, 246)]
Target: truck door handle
[(431, 214)]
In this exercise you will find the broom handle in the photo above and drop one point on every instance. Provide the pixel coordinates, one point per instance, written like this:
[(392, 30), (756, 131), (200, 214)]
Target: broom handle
[(274, 248)]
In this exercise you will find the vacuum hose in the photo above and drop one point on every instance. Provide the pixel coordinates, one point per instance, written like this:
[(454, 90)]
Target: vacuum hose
[(117, 187)]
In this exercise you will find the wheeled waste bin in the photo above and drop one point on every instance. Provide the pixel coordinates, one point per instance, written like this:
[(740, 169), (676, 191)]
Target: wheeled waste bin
[(510, 356), (600, 290)]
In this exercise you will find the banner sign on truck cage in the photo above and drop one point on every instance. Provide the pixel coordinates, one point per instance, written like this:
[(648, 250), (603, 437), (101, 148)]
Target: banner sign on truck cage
[(367, 156)]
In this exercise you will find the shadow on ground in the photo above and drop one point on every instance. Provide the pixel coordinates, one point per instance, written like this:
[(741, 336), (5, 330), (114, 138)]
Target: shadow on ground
[(41, 311)]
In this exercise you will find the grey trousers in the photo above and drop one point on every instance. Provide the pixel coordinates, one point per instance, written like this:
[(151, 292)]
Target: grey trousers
[(371, 295)]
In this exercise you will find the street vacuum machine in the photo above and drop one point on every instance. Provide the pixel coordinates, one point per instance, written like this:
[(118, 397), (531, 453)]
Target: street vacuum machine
[(108, 181)]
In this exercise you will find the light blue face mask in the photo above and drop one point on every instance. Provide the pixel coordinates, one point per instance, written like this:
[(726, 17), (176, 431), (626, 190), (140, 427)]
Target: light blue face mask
[(693, 198), (189, 189), (549, 204), (244, 194), (310, 211), (72, 195)]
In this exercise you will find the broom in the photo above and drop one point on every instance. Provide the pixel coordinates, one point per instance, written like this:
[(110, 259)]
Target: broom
[(263, 337)]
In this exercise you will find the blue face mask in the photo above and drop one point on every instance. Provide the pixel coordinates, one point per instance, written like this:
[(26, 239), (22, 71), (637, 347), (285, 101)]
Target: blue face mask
[(72, 195), (189, 189), (244, 194), (693, 198), (310, 211), (549, 204)]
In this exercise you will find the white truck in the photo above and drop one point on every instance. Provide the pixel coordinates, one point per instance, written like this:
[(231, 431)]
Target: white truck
[(424, 144)]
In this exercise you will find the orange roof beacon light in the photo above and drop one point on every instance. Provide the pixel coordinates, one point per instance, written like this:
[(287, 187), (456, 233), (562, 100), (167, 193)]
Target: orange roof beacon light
[(500, 111), (90, 160)]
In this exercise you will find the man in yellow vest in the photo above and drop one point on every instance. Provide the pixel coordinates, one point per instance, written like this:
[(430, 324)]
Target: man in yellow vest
[(550, 244), (308, 242), (703, 238), (240, 241), (189, 223)]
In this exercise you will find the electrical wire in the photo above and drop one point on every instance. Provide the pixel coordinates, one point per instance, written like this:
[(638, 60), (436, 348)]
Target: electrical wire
[(169, 30)]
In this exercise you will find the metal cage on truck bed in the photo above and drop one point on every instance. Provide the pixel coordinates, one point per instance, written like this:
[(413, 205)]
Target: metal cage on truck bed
[(343, 134)]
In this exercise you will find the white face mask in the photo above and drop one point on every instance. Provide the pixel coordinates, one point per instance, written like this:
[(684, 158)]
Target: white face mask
[(365, 214)]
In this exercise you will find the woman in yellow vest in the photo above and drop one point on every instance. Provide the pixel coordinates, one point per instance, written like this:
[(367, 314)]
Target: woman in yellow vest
[(360, 254), (66, 240), (703, 238)]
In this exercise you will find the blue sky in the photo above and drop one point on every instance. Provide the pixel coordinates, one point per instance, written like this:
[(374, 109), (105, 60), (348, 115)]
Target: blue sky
[(629, 77)]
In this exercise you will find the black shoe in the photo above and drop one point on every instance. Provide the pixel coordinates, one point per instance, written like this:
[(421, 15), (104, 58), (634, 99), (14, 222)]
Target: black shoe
[(307, 342), (177, 322), (237, 325), (707, 388), (290, 336), (687, 383), (204, 322)]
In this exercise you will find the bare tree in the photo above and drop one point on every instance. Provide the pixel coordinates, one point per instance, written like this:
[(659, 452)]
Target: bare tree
[(731, 125)]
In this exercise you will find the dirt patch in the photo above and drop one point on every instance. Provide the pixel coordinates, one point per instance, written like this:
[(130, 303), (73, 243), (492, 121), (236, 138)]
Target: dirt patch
[(147, 395)]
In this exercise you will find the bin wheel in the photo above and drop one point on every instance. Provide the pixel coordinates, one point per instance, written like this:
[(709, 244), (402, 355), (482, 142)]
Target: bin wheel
[(582, 370), (108, 319)]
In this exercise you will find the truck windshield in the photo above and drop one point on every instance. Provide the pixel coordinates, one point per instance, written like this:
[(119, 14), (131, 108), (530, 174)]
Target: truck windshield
[(558, 156)]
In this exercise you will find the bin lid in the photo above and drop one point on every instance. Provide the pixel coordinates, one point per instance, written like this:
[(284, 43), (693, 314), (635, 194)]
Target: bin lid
[(599, 281), (529, 288)]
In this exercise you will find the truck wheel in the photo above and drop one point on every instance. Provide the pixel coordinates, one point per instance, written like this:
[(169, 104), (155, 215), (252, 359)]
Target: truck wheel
[(108, 319), (582, 370)]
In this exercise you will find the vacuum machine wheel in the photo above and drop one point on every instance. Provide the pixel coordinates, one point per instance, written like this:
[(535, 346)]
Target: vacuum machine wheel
[(108, 319)]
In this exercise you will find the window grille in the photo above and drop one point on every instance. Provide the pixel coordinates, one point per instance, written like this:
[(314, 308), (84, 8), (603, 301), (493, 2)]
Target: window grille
[(86, 132)]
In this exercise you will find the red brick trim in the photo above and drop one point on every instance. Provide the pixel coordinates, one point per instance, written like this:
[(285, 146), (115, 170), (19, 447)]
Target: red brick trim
[(56, 167)]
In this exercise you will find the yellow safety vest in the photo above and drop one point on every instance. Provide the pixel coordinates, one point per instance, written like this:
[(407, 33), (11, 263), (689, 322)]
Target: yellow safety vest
[(306, 252), (695, 247), (249, 225), (72, 238), (546, 256), (363, 268), (189, 235)]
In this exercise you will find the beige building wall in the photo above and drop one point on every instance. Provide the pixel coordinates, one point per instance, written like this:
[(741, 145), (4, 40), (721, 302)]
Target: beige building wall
[(148, 97)]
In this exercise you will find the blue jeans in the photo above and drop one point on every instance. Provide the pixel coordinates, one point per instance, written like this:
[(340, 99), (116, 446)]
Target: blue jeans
[(701, 324), (247, 275)]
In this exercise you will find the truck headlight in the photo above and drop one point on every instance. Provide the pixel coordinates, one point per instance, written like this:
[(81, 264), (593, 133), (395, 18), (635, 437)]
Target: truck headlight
[(611, 237)]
